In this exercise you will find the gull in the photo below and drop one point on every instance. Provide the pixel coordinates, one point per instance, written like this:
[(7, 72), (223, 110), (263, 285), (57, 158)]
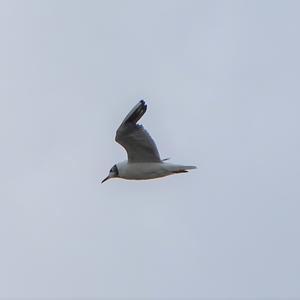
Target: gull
[(143, 158)]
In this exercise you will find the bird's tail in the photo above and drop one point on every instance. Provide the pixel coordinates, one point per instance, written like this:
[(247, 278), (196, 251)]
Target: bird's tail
[(180, 168), (183, 169), (189, 167)]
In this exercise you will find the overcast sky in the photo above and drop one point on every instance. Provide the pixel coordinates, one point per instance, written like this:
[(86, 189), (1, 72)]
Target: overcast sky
[(221, 80)]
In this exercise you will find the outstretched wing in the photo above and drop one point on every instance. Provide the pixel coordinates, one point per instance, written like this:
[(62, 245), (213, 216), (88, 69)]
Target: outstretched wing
[(135, 139)]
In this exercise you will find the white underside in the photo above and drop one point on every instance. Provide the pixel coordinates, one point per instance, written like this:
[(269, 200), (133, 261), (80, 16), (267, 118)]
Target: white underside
[(149, 170)]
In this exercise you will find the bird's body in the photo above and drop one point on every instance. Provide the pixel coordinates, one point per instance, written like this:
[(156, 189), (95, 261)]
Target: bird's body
[(149, 170), (143, 161)]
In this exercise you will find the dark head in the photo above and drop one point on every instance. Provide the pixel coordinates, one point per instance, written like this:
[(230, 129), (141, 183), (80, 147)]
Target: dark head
[(113, 172)]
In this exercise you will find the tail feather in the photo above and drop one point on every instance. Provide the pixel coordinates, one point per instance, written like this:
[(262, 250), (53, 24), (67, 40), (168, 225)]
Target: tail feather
[(189, 167), (182, 169)]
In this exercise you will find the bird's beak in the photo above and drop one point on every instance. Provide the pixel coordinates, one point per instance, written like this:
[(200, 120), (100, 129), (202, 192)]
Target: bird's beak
[(105, 179)]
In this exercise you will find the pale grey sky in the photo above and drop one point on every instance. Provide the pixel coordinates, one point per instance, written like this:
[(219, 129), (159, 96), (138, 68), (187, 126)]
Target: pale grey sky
[(221, 80)]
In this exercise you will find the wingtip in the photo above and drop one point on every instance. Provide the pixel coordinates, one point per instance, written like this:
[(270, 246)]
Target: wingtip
[(143, 103), (136, 112)]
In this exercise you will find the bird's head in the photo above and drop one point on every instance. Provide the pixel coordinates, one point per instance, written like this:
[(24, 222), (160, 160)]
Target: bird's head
[(113, 172)]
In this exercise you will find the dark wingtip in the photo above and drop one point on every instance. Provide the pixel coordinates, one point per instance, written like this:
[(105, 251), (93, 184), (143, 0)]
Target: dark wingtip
[(137, 113), (180, 171), (144, 104)]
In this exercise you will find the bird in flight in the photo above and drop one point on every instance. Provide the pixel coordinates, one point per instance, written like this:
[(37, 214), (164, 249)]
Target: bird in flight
[(143, 160)]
